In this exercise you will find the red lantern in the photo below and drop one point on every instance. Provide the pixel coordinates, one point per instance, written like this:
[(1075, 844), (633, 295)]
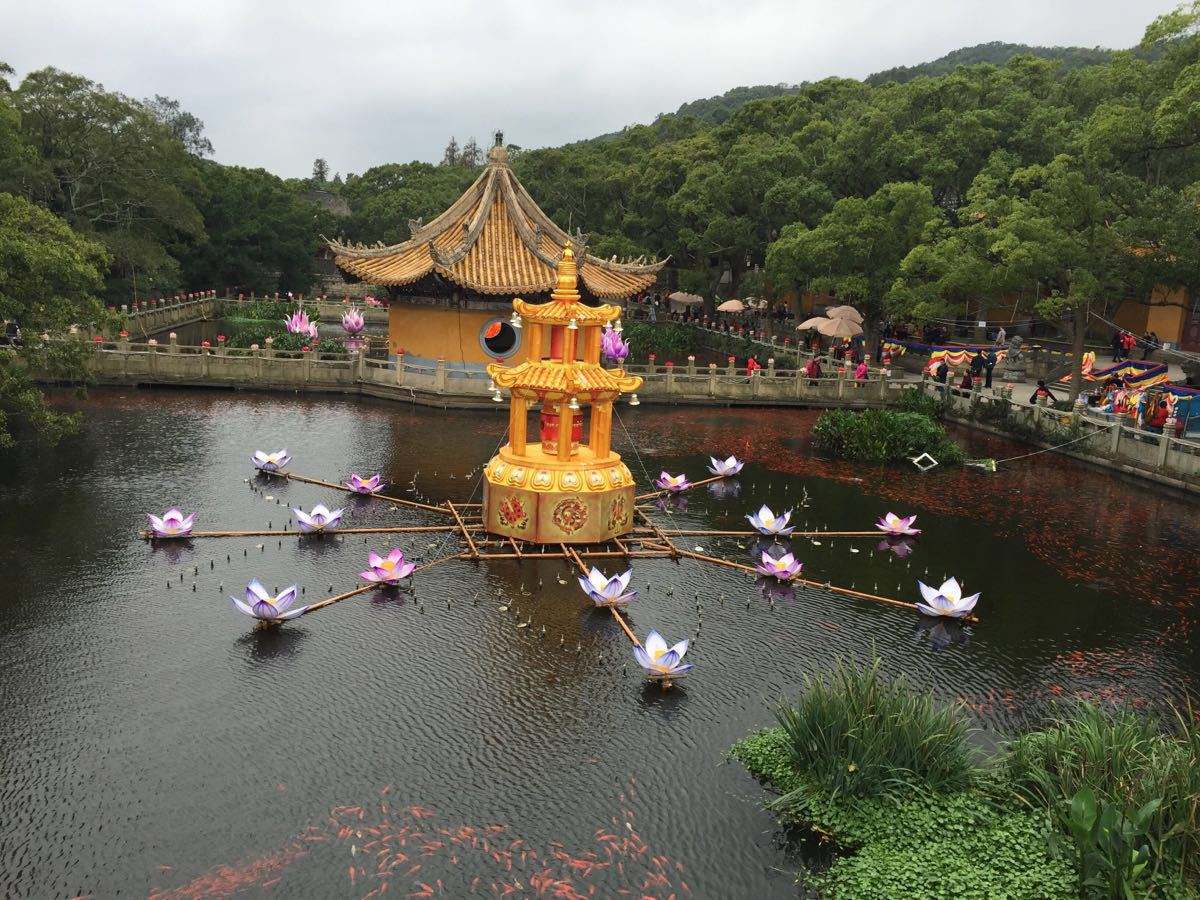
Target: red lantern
[(549, 429)]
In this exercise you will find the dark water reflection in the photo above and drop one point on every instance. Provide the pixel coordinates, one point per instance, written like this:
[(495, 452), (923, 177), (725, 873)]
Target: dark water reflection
[(152, 741)]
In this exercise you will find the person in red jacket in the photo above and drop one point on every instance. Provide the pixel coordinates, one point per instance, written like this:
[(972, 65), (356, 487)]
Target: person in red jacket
[(1157, 417)]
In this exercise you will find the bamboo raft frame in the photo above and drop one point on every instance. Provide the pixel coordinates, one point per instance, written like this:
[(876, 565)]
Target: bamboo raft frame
[(646, 541)]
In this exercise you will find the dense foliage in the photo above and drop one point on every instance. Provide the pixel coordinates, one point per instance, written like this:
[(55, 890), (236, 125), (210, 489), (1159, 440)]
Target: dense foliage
[(1096, 804), (883, 436), (673, 342)]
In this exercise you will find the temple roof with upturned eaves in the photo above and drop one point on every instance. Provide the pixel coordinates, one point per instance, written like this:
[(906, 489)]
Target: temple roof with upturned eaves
[(494, 240), (548, 376)]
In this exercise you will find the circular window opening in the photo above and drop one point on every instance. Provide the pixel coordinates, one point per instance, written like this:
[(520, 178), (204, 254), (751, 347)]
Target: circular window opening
[(498, 338)]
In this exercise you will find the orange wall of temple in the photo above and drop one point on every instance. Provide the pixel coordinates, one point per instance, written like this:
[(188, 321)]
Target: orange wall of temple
[(1164, 320), (433, 331)]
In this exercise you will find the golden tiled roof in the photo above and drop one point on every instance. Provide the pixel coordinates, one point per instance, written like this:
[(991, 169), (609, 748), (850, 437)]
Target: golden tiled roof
[(494, 240), (577, 378)]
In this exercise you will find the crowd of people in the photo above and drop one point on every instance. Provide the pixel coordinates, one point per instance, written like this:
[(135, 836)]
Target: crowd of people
[(1124, 344)]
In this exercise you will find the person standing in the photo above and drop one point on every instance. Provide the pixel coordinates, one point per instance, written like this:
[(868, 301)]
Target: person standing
[(1117, 345), (989, 363)]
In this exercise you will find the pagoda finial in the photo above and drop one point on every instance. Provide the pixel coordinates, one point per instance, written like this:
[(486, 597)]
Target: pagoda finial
[(566, 288)]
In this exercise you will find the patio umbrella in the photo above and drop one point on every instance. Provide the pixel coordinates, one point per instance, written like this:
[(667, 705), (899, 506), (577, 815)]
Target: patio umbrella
[(839, 328), (814, 322), (732, 306), (685, 299), (845, 312)]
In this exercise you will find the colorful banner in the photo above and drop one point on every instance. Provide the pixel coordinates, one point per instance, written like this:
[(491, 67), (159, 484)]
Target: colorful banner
[(959, 356), (1138, 374)]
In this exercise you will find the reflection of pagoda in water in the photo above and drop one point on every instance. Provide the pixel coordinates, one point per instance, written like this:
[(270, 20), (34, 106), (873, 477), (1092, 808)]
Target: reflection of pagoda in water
[(559, 488), (449, 285)]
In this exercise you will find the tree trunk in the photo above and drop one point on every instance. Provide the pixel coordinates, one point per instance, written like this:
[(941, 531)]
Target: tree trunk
[(1081, 312)]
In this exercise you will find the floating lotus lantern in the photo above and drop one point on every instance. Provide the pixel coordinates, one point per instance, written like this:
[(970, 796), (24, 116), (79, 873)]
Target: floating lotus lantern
[(360, 485), (669, 482), (612, 345), (319, 520), (262, 606), (897, 525), (352, 321), (785, 567), (946, 601), (271, 462), (298, 323), (727, 467), (173, 524), (766, 522), (388, 570), (608, 591), (660, 662)]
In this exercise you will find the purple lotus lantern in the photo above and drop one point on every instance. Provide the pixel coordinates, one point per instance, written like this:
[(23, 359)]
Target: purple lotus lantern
[(612, 345), (662, 664), (298, 323), (271, 462), (785, 567), (352, 321), (319, 520), (267, 609), (360, 485), (669, 482), (608, 591), (948, 600), (893, 524), (726, 467), (766, 522), (388, 570), (173, 524)]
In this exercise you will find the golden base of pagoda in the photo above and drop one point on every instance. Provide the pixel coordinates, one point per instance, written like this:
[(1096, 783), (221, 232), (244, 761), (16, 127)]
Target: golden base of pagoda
[(539, 498)]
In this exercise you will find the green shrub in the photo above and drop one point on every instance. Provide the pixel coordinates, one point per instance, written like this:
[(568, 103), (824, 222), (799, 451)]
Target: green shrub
[(1128, 765), (675, 342), (882, 436), (914, 400), (856, 733)]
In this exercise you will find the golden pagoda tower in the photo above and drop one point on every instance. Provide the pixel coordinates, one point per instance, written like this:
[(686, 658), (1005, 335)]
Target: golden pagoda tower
[(559, 489)]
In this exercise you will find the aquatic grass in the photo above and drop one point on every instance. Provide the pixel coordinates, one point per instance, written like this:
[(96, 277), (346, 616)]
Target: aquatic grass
[(854, 732), (882, 436), (1125, 762)]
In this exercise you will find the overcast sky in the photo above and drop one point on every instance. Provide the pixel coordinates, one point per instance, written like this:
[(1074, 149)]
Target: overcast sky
[(362, 82)]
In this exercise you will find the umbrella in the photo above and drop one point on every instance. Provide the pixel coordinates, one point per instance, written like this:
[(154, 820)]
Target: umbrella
[(685, 298), (814, 322), (732, 306), (845, 312), (840, 328)]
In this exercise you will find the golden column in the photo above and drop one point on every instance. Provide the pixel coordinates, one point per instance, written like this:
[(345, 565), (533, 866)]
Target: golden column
[(561, 489)]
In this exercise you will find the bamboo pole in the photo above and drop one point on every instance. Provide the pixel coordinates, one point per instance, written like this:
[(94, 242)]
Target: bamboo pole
[(658, 532), (849, 592), (694, 484), (338, 598), (516, 549), (344, 489), (285, 532), (751, 533), (466, 534)]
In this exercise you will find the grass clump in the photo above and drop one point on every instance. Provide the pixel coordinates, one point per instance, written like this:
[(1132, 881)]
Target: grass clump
[(883, 436), (859, 734)]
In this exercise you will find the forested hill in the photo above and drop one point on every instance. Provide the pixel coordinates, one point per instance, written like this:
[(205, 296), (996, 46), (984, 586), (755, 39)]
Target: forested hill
[(997, 53), (715, 110)]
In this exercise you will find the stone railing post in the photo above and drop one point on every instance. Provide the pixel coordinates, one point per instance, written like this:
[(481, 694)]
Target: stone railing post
[(439, 376), (670, 369), (269, 349), (1164, 444), (650, 367), (756, 380), (841, 382), (771, 366), (691, 365), (712, 379), (731, 368), (400, 368), (173, 343), (1114, 439), (360, 364)]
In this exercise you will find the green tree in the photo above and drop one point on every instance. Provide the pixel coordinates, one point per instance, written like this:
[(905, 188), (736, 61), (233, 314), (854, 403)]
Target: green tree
[(856, 250), (49, 277)]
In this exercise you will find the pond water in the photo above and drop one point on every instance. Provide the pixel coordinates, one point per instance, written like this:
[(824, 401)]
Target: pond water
[(154, 743)]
